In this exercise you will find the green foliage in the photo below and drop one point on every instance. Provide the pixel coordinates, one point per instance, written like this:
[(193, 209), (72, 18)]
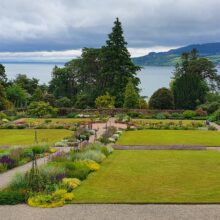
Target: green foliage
[(117, 65), (94, 155), (105, 101), (17, 95), (160, 116), (29, 85), (193, 78), (72, 115), (41, 109), (162, 99), (40, 149), (38, 95), (3, 77), (63, 102), (131, 97), (217, 115), (19, 182), (4, 103), (8, 197), (81, 101), (210, 107), (3, 115), (189, 91), (189, 114), (96, 72)]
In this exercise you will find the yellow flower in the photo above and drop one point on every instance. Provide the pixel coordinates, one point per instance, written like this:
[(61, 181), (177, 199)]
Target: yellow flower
[(68, 196), (71, 182)]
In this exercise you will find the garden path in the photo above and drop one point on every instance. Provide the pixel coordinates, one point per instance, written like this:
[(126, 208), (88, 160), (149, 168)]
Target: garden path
[(101, 128), (6, 177), (113, 211), (163, 147)]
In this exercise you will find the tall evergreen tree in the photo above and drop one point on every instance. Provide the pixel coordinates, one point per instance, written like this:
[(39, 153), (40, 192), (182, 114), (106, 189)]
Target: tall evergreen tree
[(117, 66), (189, 91)]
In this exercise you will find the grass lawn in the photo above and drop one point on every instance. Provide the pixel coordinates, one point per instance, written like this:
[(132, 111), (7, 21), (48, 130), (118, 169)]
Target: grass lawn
[(26, 136), (154, 177), (170, 137)]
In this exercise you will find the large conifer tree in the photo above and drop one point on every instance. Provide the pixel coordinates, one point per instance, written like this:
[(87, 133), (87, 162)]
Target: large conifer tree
[(117, 66)]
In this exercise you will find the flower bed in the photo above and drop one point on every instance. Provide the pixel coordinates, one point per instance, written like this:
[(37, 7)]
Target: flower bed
[(10, 158), (168, 124), (53, 184)]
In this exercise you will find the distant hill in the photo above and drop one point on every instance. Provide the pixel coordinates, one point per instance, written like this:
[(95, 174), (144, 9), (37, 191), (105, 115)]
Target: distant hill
[(170, 58)]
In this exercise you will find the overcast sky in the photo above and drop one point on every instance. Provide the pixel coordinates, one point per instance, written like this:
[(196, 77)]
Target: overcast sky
[(68, 25)]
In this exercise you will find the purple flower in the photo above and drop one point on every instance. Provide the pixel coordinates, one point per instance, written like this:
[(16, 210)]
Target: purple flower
[(7, 161), (59, 176)]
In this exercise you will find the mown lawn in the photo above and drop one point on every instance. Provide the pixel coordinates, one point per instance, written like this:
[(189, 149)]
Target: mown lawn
[(27, 136), (170, 137), (154, 177)]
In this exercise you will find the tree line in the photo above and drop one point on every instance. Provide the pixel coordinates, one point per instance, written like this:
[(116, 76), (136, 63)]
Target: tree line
[(107, 78)]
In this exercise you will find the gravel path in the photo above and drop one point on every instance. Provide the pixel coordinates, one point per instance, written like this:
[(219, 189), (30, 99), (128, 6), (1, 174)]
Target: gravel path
[(6, 177), (113, 212), (101, 128), (164, 147)]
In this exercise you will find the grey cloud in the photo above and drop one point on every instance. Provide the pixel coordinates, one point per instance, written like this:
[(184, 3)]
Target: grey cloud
[(71, 24)]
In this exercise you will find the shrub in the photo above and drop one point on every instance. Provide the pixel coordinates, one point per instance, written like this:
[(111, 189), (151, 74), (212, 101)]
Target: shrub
[(11, 197), (135, 115), (189, 114), (176, 115), (201, 112), (53, 173), (77, 170), (18, 182), (210, 107), (40, 149), (217, 115), (160, 116), (3, 115), (96, 156), (63, 102), (99, 147), (162, 99), (41, 109), (72, 115), (105, 101)]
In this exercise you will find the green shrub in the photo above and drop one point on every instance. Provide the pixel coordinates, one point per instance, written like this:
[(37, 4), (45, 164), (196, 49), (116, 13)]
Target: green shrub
[(75, 169), (11, 197), (217, 115), (162, 99), (80, 171), (189, 114), (2, 115), (106, 150), (97, 156), (176, 115), (160, 116), (41, 109), (40, 149), (135, 115), (210, 107), (72, 115), (18, 182)]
